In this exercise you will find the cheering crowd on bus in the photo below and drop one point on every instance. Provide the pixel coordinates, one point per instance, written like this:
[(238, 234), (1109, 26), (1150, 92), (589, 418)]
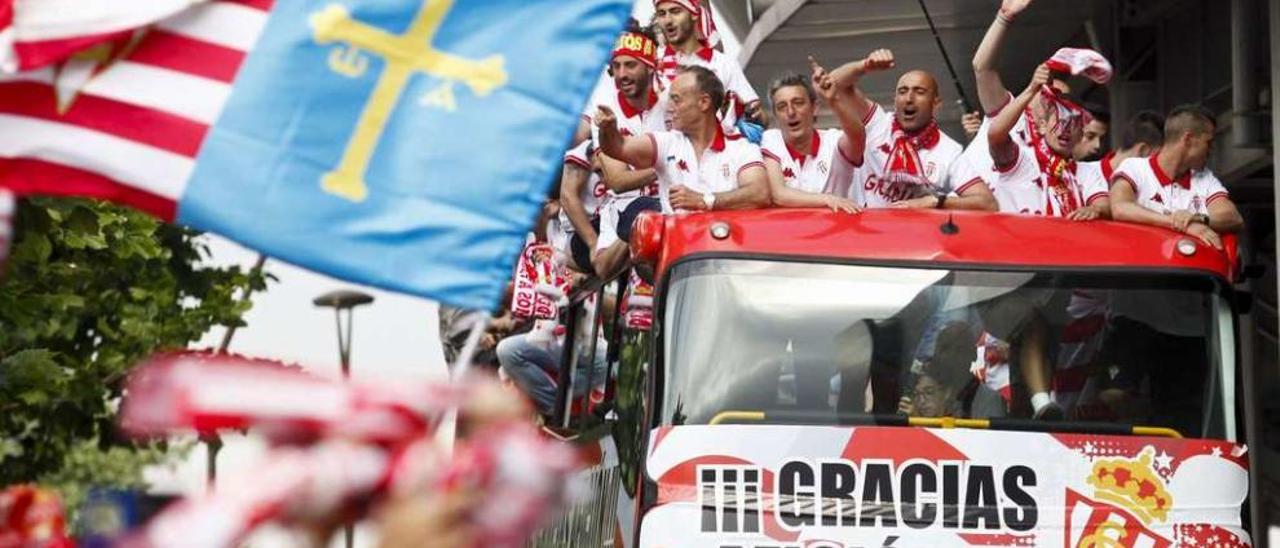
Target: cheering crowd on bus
[(677, 128)]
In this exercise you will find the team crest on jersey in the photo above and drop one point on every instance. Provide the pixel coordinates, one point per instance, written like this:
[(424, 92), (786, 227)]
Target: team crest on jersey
[(822, 167), (724, 169), (929, 168), (1196, 203)]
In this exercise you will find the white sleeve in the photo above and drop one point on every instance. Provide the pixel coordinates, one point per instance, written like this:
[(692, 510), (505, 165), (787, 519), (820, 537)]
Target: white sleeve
[(772, 145), (1125, 170), (879, 132), (1213, 189), (579, 155), (1092, 184), (963, 174), (737, 82), (748, 157), (661, 145)]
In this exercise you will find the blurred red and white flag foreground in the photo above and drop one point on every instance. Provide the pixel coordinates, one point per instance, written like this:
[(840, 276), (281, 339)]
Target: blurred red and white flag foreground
[(341, 449)]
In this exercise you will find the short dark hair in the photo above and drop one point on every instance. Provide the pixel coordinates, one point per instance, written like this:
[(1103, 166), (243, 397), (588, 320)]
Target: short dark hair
[(1145, 127), (789, 79), (1189, 118), (707, 83), (1098, 112)]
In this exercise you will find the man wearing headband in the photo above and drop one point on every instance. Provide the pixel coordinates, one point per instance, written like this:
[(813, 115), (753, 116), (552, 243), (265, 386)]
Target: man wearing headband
[(699, 166), (1173, 188), (680, 22), (640, 109), (909, 159)]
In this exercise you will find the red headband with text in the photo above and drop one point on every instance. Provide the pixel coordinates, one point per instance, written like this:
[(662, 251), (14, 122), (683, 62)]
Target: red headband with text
[(639, 46)]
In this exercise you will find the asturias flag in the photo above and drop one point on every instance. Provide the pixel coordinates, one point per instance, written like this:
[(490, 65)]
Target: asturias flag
[(406, 144)]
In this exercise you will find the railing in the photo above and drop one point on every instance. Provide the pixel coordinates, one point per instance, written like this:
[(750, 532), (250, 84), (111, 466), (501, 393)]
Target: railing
[(590, 522)]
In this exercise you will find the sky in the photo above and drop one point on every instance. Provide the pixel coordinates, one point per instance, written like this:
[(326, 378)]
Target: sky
[(394, 337)]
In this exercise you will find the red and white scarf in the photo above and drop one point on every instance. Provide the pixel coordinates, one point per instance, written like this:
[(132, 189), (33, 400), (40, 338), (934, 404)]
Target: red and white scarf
[(1062, 192), (904, 164)]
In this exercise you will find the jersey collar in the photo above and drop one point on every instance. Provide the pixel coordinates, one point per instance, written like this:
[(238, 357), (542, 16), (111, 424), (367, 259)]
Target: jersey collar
[(815, 146), (1165, 180), (630, 111)]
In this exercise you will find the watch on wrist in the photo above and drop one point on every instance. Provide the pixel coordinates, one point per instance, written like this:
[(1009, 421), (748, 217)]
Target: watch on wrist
[(709, 200), (1201, 218), (942, 200)]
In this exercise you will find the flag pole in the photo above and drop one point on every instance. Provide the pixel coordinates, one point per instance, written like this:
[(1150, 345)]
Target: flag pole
[(213, 442)]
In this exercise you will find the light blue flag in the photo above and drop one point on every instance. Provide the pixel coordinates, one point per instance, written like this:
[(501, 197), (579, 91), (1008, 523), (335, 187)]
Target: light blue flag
[(404, 144)]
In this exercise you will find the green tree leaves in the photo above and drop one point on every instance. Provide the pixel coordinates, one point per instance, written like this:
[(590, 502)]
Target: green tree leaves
[(90, 290)]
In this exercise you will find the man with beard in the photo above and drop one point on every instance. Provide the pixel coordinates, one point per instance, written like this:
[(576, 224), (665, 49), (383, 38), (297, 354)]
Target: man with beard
[(641, 109), (910, 159), (679, 21), (699, 167)]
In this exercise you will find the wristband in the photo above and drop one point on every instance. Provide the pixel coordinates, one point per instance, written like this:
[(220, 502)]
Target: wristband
[(942, 200), (1201, 218)]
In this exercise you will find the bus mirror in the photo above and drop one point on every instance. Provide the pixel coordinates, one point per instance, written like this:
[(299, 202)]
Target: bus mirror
[(646, 237)]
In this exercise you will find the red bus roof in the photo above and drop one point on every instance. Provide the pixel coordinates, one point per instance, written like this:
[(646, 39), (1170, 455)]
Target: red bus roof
[(918, 236)]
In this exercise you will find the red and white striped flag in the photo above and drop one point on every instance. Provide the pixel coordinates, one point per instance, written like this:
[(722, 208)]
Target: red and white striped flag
[(139, 125)]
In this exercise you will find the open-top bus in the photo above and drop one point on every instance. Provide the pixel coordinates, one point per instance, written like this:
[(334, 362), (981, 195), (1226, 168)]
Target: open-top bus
[(791, 393)]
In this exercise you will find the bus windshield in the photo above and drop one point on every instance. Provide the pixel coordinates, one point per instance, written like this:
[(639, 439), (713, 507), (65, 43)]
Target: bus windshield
[(829, 343)]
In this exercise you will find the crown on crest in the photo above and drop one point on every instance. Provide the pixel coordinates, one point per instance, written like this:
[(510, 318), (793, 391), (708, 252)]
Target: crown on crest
[(1132, 484)]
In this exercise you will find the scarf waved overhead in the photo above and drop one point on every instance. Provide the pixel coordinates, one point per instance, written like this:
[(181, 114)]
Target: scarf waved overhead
[(1062, 196), (904, 165)]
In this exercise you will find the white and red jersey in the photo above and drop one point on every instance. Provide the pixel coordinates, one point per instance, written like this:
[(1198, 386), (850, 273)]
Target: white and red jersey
[(1159, 192), (977, 162), (631, 122), (1095, 179), (677, 163), (822, 169), (1025, 186), (593, 193), (877, 186), (738, 90)]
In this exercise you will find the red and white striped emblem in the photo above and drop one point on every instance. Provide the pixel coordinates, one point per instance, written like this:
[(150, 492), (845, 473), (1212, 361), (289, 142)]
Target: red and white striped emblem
[(114, 101)]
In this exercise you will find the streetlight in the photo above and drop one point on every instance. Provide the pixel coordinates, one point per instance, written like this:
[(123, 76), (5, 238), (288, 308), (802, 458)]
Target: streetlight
[(348, 300), (340, 300)]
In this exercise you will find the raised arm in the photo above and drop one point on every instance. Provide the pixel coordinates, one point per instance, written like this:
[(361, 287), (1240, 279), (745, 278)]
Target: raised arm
[(846, 78), (637, 151), (1003, 150), (991, 91), (842, 102)]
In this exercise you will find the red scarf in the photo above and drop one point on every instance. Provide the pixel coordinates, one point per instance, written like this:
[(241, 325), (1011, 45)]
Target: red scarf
[(1059, 182), (904, 158)]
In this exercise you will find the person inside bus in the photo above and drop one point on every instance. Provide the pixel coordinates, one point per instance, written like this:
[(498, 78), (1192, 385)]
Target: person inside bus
[(946, 387)]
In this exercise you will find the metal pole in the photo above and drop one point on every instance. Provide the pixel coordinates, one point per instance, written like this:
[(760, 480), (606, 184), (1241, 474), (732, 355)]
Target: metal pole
[(1262, 522), (213, 443), (955, 79)]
